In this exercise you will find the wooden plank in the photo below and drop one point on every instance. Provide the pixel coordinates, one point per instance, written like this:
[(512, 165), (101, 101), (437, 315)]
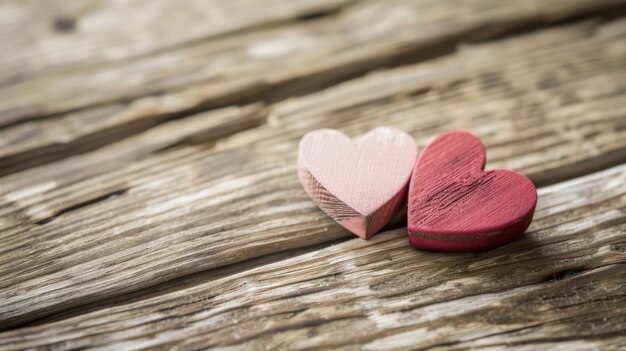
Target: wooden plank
[(194, 208), (232, 68), (414, 99), (564, 280), (44, 36), (36, 143), (201, 128)]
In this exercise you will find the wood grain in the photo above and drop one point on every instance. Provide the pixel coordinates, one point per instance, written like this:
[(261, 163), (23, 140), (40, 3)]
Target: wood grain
[(361, 185), (56, 36), (456, 206), (271, 63), (193, 207), (564, 281)]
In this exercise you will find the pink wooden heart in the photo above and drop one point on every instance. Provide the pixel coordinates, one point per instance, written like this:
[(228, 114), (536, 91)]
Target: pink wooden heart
[(360, 185), (454, 205)]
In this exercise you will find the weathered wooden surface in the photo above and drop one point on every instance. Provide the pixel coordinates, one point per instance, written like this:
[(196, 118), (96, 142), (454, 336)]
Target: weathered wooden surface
[(47, 36), (248, 61), (188, 209), (565, 279), (126, 217), (266, 64)]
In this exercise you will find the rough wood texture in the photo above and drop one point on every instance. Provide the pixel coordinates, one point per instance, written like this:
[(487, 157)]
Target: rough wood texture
[(173, 72), (565, 280), (192, 208), (50, 36), (457, 206), (130, 186), (361, 185)]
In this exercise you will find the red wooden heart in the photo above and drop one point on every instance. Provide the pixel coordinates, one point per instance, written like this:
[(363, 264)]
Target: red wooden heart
[(454, 205)]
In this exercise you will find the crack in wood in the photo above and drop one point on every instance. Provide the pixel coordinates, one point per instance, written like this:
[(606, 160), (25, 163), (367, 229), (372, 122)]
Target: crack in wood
[(81, 205)]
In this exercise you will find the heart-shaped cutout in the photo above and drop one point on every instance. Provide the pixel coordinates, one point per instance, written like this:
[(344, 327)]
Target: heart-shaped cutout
[(360, 185), (454, 205)]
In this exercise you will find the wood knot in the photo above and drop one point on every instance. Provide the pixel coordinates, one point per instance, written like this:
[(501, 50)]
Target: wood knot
[(64, 24), (618, 247)]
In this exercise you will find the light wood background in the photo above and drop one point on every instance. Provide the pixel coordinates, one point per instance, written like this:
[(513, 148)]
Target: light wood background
[(148, 189)]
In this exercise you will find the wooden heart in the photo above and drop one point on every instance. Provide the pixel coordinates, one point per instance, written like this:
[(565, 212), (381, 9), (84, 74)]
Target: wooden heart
[(360, 185), (454, 205)]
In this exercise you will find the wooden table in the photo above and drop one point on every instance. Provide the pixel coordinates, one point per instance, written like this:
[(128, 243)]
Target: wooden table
[(149, 196)]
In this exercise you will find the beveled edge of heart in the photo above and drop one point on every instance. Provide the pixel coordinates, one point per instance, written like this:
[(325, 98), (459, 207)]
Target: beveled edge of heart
[(357, 223), (469, 243)]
